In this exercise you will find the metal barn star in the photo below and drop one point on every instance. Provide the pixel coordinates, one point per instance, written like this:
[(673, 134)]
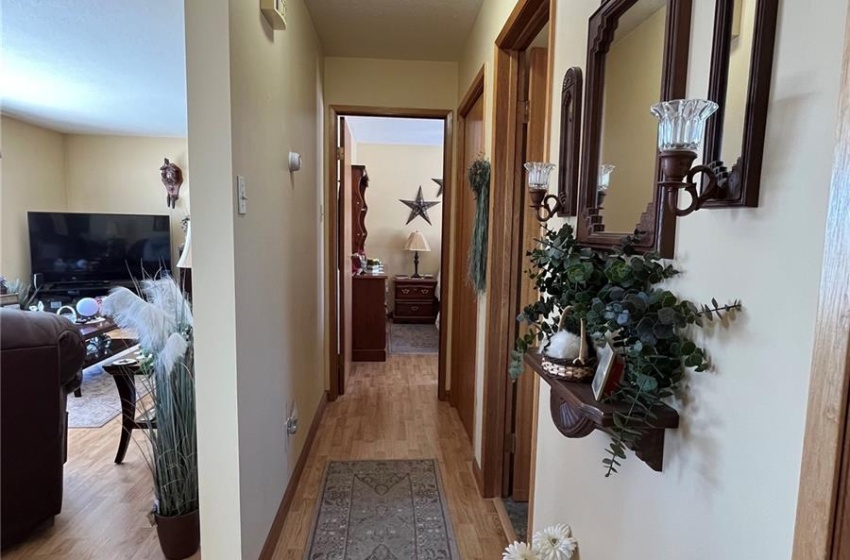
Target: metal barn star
[(440, 190), (419, 207)]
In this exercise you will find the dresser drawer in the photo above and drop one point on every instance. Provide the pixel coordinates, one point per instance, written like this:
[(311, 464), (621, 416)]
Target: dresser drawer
[(414, 309), (409, 291)]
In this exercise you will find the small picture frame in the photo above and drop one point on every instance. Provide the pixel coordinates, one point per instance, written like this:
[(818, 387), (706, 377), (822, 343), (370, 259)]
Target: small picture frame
[(609, 372)]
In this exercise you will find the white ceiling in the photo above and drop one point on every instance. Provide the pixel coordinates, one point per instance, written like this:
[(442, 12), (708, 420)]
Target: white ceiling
[(95, 66), (389, 130), (398, 29)]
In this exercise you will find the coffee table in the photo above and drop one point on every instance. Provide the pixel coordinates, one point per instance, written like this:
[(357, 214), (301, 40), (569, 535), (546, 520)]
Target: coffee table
[(102, 342)]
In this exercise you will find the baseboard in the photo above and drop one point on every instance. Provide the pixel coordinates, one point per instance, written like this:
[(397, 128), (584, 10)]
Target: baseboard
[(505, 520), (478, 476), (277, 525)]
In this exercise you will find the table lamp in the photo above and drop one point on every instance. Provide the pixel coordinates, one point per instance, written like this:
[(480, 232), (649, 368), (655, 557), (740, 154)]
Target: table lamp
[(185, 263), (416, 242)]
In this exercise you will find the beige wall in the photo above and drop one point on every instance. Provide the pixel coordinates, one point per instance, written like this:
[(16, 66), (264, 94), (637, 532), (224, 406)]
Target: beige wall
[(120, 174), (254, 94), (49, 171), (729, 486), (32, 178), (629, 131), (408, 84), (396, 172)]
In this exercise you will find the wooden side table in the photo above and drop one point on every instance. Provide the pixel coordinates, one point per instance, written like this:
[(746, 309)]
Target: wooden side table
[(124, 375), (415, 300)]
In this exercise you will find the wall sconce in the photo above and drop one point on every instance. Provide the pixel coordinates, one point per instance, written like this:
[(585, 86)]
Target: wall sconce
[(681, 128), (603, 181), (544, 203)]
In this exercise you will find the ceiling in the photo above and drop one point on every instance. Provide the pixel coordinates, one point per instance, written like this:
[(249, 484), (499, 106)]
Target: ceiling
[(398, 29), (95, 66), (392, 130)]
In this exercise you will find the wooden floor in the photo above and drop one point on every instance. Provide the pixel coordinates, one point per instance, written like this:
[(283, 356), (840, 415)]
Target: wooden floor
[(105, 506), (391, 411)]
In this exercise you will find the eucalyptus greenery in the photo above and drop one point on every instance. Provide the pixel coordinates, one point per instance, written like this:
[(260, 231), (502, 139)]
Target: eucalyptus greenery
[(479, 181), (618, 296)]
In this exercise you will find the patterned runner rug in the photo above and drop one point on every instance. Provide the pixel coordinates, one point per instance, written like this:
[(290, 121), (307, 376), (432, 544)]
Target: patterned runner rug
[(382, 510), (414, 339)]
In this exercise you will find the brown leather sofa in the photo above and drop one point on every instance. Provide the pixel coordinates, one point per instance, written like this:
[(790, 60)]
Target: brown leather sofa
[(41, 357)]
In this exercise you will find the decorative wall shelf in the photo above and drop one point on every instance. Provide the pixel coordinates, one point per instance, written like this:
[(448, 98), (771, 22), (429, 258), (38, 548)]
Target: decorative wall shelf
[(576, 413)]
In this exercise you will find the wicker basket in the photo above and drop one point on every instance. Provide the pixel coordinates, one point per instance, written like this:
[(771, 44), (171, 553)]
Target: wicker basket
[(581, 369)]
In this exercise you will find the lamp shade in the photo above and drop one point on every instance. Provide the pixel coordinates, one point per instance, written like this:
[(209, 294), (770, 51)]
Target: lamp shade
[(186, 256), (417, 242)]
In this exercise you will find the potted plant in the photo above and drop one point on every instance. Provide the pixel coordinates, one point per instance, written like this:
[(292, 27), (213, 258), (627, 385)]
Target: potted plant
[(619, 298), (163, 321)]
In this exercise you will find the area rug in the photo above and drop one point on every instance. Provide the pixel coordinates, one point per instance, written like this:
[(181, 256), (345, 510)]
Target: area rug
[(518, 514), (414, 339), (382, 510), (100, 402)]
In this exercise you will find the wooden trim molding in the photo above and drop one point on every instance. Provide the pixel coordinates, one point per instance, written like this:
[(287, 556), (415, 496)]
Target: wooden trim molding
[(445, 256), (476, 90), (277, 525), (830, 376), (332, 214), (506, 196)]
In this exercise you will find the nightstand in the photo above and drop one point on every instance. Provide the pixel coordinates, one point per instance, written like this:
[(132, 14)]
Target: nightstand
[(415, 300)]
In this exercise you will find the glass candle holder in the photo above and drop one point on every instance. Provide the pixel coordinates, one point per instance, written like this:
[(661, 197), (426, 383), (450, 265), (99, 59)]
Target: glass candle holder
[(604, 179), (538, 175), (681, 123)]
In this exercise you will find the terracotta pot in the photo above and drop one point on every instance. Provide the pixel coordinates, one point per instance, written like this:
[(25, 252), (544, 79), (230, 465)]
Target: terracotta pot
[(179, 536)]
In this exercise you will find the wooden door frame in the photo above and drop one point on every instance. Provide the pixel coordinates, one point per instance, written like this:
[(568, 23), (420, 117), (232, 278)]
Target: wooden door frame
[(506, 195), (332, 215), (830, 377)]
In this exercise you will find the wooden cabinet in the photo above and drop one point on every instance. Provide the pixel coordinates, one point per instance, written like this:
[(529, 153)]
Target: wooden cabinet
[(369, 319), (359, 184), (415, 300)]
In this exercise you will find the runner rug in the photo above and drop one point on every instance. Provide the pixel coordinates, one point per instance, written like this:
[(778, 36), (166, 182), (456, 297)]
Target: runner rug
[(382, 510)]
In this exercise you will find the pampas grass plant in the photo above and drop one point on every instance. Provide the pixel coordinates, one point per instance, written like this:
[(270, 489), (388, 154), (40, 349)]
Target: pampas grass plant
[(163, 322)]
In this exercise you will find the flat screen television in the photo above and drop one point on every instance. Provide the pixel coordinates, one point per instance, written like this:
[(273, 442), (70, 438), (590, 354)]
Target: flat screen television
[(71, 247)]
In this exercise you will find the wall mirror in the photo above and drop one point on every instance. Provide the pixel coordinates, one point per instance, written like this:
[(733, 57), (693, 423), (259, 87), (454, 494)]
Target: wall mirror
[(637, 56), (741, 64)]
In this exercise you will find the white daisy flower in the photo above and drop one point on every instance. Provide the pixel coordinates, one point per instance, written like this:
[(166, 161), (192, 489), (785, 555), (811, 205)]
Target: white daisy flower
[(555, 543), (520, 551)]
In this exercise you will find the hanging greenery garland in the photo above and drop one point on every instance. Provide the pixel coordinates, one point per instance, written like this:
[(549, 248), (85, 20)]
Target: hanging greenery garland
[(479, 181)]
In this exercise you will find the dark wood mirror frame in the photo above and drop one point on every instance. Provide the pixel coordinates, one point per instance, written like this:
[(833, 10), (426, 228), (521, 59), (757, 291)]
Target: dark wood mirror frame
[(657, 222), (570, 142), (745, 173)]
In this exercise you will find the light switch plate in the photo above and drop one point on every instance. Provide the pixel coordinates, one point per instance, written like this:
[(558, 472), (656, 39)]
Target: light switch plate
[(242, 195)]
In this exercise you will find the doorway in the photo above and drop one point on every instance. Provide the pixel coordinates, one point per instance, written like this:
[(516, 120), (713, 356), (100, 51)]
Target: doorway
[(392, 270), (464, 299), (522, 113)]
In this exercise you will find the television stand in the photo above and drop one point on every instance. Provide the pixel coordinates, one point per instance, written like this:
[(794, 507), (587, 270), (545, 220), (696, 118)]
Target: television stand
[(57, 294)]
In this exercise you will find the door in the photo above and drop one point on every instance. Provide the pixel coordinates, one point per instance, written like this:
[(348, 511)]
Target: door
[(464, 298), (344, 240), (841, 539), (521, 395)]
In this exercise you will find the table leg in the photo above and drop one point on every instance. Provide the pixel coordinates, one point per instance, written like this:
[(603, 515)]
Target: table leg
[(127, 392)]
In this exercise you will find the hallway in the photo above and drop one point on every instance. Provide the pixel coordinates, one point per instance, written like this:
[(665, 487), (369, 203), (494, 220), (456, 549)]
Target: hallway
[(391, 411)]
